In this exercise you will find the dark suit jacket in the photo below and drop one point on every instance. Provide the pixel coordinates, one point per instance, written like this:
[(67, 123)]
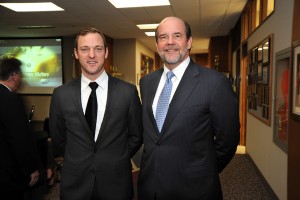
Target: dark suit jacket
[(107, 160), (18, 152), (185, 160)]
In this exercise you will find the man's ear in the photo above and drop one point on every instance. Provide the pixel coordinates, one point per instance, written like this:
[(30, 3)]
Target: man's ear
[(189, 43), (75, 53), (106, 52)]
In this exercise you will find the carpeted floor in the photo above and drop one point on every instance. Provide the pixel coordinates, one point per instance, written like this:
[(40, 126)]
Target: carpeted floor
[(240, 180)]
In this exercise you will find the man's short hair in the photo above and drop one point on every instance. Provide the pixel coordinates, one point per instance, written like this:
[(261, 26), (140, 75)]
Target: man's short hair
[(9, 65), (85, 31)]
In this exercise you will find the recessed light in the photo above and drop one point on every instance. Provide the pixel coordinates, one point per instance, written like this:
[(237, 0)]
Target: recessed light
[(147, 26), (138, 3), (34, 27), (152, 33), (32, 7)]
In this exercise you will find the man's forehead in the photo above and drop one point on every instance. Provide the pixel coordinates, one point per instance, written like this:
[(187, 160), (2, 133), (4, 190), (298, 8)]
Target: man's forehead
[(171, 26)]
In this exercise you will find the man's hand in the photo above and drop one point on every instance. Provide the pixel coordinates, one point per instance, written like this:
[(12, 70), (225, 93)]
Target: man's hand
[(34, 177)]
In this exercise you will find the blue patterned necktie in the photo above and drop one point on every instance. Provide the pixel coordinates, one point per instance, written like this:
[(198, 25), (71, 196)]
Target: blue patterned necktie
[(163, 101)]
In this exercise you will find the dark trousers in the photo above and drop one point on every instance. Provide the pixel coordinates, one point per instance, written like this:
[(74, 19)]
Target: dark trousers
[(95, 195), (16, 195)]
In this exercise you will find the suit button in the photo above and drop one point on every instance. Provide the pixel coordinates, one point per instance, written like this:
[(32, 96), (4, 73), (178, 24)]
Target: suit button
[(95, 150), (158, 143), (93, 171)]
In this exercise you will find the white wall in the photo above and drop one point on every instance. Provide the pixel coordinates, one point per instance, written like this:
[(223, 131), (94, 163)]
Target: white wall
[(127, 58), (124, 58), (269, 158)]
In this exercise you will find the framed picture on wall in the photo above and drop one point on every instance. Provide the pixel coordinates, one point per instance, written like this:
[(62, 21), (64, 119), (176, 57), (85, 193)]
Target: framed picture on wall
[(259, 72), (259, 95), (265, 74), (259, 53), (254, 54), (147, 64), (266, 94), (296, 81), (281, 100), (265, 50), (260, 80)]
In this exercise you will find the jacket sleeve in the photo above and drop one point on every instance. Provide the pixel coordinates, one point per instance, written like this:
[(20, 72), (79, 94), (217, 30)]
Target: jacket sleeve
[(135, 128), (225, 119), (57, 126)]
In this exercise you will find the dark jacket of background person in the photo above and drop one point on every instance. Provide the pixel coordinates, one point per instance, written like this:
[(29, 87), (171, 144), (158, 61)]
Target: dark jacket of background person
[(18, 153)]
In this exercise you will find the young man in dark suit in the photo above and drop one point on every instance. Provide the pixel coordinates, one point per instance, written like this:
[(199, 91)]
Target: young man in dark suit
[(96, 157), (19, 159), (190, 120)]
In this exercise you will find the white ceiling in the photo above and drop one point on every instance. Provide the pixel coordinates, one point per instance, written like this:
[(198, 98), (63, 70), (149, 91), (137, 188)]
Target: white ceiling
[(207, 18)]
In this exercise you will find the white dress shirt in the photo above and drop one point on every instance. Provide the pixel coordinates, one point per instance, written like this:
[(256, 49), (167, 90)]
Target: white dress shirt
[(101, 93), (178, 71)]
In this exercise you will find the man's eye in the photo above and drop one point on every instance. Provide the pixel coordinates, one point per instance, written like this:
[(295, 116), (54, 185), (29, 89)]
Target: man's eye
[(177, 36), (99, 49), (163, 37), (84, 50)]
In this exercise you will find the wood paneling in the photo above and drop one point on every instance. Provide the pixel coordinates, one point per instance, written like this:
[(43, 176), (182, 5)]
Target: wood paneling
[(202, 59), (294, 127), (218, 48), (109, 61)]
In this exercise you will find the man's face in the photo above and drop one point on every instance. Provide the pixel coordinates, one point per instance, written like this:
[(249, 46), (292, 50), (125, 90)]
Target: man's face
[(91, 54), (172, 44), (16, 80)]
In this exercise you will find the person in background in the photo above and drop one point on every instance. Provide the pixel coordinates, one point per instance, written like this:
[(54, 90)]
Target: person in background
[(96, 154), (19, 159), (190, 120)]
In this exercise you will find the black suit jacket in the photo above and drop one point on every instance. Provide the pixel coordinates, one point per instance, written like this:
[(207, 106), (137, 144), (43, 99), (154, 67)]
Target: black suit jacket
[(107, 160), (18, 152), (198, 139)]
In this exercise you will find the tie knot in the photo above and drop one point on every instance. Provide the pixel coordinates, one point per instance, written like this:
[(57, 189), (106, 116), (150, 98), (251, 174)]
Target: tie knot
[(170, 75), (93, 86)]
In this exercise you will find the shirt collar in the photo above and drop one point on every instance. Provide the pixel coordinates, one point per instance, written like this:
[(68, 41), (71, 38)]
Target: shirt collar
[(102, 81), (180, 69)]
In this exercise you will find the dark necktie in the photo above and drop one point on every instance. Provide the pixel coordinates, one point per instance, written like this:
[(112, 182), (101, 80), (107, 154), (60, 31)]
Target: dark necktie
[(163, 101), (92, 108)]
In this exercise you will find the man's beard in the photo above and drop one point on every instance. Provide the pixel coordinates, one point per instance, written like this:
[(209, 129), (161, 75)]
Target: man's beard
[(171, 59)]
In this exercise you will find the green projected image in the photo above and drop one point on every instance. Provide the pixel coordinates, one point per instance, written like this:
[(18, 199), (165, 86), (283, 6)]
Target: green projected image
[(41, 63)]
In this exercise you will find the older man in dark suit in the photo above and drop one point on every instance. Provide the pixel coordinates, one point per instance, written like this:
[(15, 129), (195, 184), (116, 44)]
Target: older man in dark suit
[(97, 153), (190, 119), (19, 159)]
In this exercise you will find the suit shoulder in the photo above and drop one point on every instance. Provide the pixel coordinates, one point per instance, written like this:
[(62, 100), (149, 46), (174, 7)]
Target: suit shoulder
[(121, 83), (210, 73), (67, 85), (151, 76)]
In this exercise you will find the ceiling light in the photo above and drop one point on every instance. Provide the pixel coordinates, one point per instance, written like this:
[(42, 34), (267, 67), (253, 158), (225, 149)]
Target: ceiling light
[(32, 7), (150, 33), (138, 3), (34, 27), (147, 26)]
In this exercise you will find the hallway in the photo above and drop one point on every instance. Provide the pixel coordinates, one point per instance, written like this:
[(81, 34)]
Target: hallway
[(240, 180)]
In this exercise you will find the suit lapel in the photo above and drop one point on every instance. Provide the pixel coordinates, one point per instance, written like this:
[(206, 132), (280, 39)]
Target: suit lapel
[(111, 95), (77, 102), (185, 88), (151, 88)]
